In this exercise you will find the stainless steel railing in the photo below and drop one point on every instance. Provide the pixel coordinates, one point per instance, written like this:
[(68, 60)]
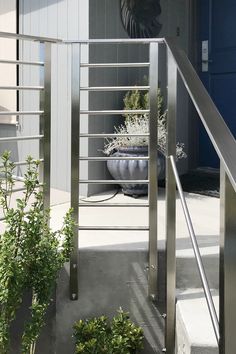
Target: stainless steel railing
[(225, 146), (44, 112), (197, 253), (152, 87), (218, 132)]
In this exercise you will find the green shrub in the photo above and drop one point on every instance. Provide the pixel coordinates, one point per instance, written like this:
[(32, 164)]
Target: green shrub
[(98, 335), (31, 254)]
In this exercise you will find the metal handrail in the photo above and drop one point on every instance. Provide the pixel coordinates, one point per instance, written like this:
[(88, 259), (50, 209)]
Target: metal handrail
[(21, 113), (197, 253), (113, 228), (225, 146), (22, 163), (20, 138), (21, 62), (115, 88), (94, 158), (117, 112), (113, 181), (116, 41), (218, 132), (114, 65), (44, 112), (36, 88), (26, 37), (112, 135)]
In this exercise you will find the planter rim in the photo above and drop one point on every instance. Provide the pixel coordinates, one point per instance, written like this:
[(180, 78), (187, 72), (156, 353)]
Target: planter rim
[(134, 148)]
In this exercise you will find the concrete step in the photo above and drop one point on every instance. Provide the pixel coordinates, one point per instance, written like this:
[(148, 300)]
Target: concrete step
[(194, 330), (187, 270)]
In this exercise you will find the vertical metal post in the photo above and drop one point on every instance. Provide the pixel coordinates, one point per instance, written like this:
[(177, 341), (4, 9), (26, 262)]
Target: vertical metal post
[(45, 122), (75, 132), (171, 208), (152, 167), (227, 265)]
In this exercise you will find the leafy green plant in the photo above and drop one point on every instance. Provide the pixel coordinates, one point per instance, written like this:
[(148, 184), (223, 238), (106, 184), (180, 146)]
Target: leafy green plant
[(31, 254), (139, 124), (98, 335)]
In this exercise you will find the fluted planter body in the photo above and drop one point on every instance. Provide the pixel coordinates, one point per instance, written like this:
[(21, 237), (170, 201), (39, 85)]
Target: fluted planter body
[(134, 169)]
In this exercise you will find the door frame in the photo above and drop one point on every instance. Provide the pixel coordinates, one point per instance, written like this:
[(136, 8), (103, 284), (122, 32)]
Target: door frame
[(193, 139)]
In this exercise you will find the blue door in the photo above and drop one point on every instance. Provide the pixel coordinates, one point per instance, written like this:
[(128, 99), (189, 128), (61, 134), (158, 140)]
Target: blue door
[(218, 73)]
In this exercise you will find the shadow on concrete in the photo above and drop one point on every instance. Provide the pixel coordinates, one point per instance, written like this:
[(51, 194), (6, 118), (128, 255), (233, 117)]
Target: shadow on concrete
[(107, 281)]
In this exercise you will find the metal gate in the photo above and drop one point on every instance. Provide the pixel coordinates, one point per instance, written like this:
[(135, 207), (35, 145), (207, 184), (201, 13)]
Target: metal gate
[(77, 116)]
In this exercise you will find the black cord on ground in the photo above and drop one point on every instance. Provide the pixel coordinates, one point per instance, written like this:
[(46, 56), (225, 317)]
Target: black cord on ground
[(100, 200)]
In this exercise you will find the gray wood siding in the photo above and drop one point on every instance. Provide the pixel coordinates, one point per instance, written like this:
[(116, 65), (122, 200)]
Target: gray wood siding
[(73, 19), (105, 22), (8, 75), (64, 19)]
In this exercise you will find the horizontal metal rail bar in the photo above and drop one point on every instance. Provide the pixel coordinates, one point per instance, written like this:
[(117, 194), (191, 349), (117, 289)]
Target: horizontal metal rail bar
[(114, 228), (115, 88), (82, 158), (117, 41), (206, 288), (113, 112), (21, 62), (29, 38), (18, 178), (127, 181), (99, 204), (35, 88), (23, 163), (114, 65), (217, 130), (112, 135), (19, 138), (21, 189), (20, 113)]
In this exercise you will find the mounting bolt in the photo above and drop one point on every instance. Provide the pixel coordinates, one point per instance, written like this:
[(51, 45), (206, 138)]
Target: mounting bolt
[(153, 297), (73, 296), (74, 266), (153, 267), (164, 315), (164, 350)]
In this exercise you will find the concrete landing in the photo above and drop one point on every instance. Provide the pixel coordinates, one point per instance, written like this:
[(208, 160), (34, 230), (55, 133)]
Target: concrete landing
[(116, 278), (129, 250), (194, 331), (205, 215), (108, 280)]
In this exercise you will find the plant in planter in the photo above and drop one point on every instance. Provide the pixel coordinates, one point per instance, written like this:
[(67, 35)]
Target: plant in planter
[(97, 335), (138, 146), (31, 254)]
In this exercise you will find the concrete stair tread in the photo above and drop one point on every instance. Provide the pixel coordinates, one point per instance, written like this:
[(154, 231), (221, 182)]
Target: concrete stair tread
[(194, 329)]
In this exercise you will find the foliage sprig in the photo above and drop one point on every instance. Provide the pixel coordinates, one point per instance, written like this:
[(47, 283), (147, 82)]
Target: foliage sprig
[(139, 124), (98, 335)]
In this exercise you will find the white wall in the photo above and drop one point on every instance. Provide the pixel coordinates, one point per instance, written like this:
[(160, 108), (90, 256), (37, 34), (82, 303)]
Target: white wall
[(66, 19)]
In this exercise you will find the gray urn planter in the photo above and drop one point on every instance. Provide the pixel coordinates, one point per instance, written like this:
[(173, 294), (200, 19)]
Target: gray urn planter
[(134, 169)]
